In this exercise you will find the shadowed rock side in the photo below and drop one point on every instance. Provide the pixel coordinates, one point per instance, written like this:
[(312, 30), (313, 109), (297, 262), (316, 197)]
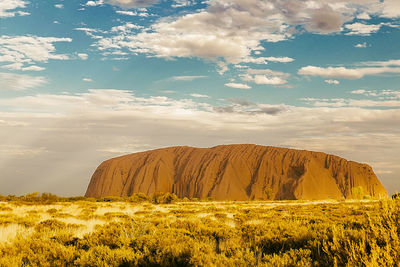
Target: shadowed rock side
[(234, 172)]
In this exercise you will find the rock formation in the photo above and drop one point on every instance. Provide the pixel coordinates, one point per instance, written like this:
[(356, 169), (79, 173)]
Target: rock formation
[(234, 172)]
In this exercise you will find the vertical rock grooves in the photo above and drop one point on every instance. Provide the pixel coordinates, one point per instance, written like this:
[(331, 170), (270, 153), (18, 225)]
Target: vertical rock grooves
[(234, 172)]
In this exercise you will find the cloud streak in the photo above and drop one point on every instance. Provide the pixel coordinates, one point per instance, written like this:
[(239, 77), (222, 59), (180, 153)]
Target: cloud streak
[(238, 85), (347, 73), (18, 82)]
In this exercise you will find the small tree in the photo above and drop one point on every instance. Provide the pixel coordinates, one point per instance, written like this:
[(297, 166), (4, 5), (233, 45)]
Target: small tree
[(269, 193), (163, 198), (396, 196), (357, 192), (139, 197)]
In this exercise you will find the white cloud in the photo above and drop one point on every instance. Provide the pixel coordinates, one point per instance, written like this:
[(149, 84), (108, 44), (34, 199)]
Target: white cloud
[(94, 3), (238, 85), (60, 6), (364, 16), (265, 76), (127, 27), (93, 33), (345, 102), (23, 50), (133, 13), (187, 78), (8, 8), (265, 60), (382, 95), (132, 3), (20, 66), (87, 80), (361, 28), (391, 8), (347, 73), (361, 45), (128, 13), (182, 3), (83, 56), (32, 68), (261, 79), (199, 96), (17, 82), (388, 63), (123, 3), (358, 92), (280, 59), (78, 131), (233, 32), (229, 30), (332, 82)]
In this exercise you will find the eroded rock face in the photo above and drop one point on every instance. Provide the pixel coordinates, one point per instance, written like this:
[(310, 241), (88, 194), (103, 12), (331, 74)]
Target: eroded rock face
[(234, 172)]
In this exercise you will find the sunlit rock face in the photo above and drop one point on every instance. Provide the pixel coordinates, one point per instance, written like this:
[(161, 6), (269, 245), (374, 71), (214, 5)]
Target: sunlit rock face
[(235, 172)]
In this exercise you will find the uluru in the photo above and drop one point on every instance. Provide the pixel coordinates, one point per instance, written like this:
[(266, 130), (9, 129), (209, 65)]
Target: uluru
[(235, 172)]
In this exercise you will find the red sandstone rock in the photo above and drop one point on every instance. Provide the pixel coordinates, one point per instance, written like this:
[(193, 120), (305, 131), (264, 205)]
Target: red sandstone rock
[(234, 172)]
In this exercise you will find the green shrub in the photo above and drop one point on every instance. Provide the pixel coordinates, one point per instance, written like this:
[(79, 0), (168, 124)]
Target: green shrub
[(163, 198)]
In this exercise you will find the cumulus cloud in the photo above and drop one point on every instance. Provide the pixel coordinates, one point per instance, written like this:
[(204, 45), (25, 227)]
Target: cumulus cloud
[(238, 85), (232, 30), (361, 28), (265, 76), (78, 131), (332, 82), (83, 56), (361, 45), (183, 3), (8, 8), (364, 16), (325, 20), (94, 3), (17, 82), (23, 50), (87, 80), (126, 28), (391, 9), (60, 6)]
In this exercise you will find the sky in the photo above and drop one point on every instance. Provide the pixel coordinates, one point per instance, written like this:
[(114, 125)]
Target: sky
[(84, 81)]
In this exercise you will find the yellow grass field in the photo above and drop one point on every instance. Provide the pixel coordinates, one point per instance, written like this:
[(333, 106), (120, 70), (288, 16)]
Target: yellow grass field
[(129, 232)]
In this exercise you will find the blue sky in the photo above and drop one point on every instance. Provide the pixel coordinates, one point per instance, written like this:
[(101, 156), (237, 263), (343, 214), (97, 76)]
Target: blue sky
[(82, 81)]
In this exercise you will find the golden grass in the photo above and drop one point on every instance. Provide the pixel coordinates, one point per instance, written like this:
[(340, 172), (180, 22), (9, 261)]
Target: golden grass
[(226, 233)]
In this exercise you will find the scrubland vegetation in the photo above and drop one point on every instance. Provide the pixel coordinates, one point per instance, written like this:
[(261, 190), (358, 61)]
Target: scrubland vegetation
[(165, 231)]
